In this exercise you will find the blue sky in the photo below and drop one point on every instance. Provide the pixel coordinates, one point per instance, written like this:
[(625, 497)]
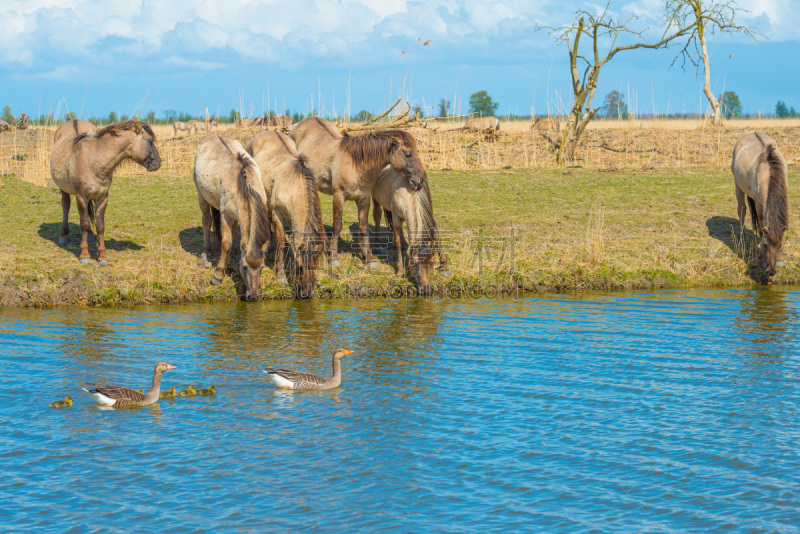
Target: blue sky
[(93, 57)]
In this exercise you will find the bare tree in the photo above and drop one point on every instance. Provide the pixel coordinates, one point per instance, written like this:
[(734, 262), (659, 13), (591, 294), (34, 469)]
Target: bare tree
[(707, 15), (602, 29)]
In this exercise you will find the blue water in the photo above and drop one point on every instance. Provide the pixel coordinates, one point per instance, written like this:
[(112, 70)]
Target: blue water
[(658, 412)]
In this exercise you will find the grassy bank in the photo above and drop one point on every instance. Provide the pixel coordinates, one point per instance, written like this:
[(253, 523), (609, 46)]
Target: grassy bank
[(505, 231)]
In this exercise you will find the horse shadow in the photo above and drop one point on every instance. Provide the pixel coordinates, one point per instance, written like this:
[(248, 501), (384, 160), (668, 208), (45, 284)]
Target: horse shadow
[(380, 242), (192, 240), (743, 244), (52, 232)]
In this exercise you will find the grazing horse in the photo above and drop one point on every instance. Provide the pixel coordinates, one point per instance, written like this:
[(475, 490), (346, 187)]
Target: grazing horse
[(415, 207), (82, 164), (293, 198), (540, 124), (183, 127), (760, 173), (230, 191), (480, 124), (346, 167)]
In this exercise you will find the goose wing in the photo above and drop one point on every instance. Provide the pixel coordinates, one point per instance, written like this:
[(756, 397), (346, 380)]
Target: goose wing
[(299, 380), (123, 396)]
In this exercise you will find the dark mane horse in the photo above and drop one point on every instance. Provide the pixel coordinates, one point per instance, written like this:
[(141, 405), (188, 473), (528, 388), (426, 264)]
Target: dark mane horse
[(760, 174), (346, 167)]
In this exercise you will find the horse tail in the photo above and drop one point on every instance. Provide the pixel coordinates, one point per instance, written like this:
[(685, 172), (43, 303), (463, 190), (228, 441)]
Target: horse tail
[(777, 204), (257, 208), (425, 231), (216, 224), (90, 209)]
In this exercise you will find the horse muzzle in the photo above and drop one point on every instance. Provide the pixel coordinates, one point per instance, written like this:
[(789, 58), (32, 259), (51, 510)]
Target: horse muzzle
[(152, 163)]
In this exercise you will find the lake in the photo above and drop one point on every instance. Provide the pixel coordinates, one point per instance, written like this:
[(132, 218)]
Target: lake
[(620, 412)]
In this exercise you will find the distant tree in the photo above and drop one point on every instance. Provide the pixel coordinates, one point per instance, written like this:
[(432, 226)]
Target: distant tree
[(112, 117), (792, 112), (481, 103), (781, 110), (124, 118), (169, 115), (614, 106), (444, 107), (297, 117), (729, 102), (7, 115), (363, 116), (234, 116), (151, 117), (182, 116), (70, 116)]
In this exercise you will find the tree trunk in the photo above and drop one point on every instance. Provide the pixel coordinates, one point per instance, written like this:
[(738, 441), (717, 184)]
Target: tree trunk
[(716, 112)]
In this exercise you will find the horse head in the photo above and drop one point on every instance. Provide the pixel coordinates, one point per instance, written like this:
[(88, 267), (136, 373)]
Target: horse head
[(770, 247), (250, 266), (143, 149), (404, 158), (420, 263)]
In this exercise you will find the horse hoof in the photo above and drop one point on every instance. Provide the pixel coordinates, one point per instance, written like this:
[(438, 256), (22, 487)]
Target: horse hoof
[(63, 241), (203, 257), (206, 264), (103, 263), (91, 239), (373, 265), (335, 263), (780, 264), (215, 281), (85, 260), (446, 273)]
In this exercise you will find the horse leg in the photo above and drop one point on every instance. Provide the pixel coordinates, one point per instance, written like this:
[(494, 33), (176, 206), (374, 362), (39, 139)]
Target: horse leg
[(444, 266), (741, 208), (377, 211), (225, 248), (363, 228), (236, 235), (100, 225), (280, 246), (65, 202), (338, 208), (205, 210), (86, 227), (758, 216), (399, 241)]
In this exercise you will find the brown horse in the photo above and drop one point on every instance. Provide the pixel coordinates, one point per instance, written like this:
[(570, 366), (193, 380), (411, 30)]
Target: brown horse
[(760, 174), (82, 164), (293, 198), (480, 124), (415, 207), (230, 192), (179, 126), (541, 125), (346, 167)]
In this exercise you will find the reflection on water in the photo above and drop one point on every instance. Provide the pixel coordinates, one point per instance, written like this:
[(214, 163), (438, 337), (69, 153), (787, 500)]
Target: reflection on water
[(594, 412)]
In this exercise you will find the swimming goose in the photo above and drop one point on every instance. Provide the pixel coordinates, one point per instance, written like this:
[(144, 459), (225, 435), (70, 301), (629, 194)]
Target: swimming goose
[(118, 396), (210, 392), (293, 380), (188, 392), (66, 403), (170, 394)]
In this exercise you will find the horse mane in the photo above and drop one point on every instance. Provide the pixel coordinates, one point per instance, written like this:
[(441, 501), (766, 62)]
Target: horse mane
[(423, 209), (257, 211), (374, 147), (777, 203), (314, 228), (133, 125)]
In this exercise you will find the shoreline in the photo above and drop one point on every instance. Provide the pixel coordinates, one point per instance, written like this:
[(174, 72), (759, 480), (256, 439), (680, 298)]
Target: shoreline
[(507, 232)]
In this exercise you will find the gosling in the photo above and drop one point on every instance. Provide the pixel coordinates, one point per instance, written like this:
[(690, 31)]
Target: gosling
[(189, 392), (66, 403), (210, 392), (167, 394)]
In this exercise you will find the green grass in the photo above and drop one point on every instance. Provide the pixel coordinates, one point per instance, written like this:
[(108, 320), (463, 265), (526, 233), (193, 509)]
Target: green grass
[(574, 228)]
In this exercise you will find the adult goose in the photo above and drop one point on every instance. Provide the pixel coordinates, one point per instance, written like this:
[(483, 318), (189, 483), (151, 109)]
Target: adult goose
[(118, 396), (294, 380)]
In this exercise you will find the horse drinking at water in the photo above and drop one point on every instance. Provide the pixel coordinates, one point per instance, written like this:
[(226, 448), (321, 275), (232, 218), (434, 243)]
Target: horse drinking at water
[(82, 164), (230, 192), (346, 167), (415, 207), (292, 197), (760, 173)]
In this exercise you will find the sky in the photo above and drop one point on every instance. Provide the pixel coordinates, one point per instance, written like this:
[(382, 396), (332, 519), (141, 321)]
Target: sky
[(127, 56)]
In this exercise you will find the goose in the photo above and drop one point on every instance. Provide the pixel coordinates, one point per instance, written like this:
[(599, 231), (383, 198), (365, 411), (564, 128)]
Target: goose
[(210, 392), (188, 392), (294, 380), (66, 403), (170, 394), (118, 396)]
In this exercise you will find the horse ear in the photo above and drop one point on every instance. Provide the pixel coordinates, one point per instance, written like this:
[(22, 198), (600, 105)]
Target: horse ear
[(137, 126), (396, 141), (765, 229)]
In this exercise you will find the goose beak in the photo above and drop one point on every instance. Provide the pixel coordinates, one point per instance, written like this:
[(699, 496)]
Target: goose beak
[(171, 366), (346, 352)]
